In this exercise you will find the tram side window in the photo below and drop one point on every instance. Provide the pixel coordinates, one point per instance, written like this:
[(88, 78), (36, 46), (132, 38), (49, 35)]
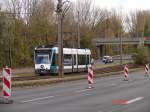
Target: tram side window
[(81, 59), (67, 60)]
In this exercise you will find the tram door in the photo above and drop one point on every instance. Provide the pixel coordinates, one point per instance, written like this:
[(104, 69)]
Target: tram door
[(74, 63)]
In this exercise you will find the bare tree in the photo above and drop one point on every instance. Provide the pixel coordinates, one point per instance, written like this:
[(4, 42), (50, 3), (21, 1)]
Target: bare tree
[(136, 23)]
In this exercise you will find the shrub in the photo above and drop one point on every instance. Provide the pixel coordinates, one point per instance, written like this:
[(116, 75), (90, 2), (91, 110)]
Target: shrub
[(141, 56)]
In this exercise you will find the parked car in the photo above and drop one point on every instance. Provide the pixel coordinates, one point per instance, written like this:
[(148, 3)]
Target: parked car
[(107, 59)]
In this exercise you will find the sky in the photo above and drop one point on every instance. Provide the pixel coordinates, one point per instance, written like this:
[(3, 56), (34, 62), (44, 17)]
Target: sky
[(125, 5)]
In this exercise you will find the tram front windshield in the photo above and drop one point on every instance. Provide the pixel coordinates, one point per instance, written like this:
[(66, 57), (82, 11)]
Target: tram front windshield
[(42, 58)]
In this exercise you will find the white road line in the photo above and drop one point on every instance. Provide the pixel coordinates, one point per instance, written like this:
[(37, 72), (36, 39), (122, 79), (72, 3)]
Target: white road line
[(36, 99), (134, 100), (87, 94), (112, 84), (80, 91)]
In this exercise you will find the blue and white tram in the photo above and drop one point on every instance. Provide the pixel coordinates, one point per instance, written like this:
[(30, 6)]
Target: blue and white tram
[(75, 60)]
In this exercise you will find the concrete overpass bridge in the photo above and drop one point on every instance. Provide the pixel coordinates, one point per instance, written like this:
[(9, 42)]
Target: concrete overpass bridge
[(102, 42)]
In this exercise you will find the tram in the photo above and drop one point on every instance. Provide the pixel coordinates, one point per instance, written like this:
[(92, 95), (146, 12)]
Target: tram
[(46, 59)]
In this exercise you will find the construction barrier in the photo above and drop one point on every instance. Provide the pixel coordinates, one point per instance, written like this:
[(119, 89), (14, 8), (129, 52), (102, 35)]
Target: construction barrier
[(147, 70), (1, 82), (6, 82), (90, 77), (6, 89), (126, 73)]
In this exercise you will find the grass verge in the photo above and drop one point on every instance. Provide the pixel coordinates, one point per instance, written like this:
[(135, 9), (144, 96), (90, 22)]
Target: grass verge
[(30, 83)]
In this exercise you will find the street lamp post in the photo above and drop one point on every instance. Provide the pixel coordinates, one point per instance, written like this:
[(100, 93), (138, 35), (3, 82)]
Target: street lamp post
[(60, 39), (78, 31), (120, 48)]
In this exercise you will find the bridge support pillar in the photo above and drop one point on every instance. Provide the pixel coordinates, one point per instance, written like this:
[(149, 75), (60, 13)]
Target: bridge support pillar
[(98, 51), (101, 50)]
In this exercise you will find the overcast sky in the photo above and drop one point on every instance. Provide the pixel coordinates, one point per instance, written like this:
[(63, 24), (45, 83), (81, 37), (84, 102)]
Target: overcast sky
[(125, 5)]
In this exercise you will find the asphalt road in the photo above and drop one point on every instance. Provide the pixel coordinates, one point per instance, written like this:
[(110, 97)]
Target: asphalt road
[(107, 96)]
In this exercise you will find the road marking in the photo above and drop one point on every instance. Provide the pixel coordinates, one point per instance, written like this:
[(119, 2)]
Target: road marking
[(134, 100), (119, 101), (112, 84), (36, 99), (87, 94), (80, 91), (39, 103)]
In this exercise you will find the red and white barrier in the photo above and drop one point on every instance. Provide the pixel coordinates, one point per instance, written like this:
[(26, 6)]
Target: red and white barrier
[(1, 78), (126, 72), (90, 76), (146, 70), (6, 82)]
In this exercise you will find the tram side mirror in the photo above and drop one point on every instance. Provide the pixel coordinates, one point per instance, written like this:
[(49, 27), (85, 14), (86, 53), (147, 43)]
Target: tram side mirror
[(92, 61)]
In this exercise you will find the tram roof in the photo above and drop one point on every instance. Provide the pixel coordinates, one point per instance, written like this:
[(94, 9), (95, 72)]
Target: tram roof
[(52, 47)]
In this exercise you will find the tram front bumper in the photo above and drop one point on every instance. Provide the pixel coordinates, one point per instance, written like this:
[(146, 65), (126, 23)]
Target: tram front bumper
[(42, 71)]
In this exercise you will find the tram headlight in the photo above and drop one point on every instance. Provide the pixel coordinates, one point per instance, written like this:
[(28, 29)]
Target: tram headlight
[(42, 66)]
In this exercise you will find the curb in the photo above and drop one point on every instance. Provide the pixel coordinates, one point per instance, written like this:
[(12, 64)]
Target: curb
[(41, 82)]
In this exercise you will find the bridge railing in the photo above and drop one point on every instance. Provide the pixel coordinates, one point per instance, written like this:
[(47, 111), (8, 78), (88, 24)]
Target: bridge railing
[(138, 39)]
